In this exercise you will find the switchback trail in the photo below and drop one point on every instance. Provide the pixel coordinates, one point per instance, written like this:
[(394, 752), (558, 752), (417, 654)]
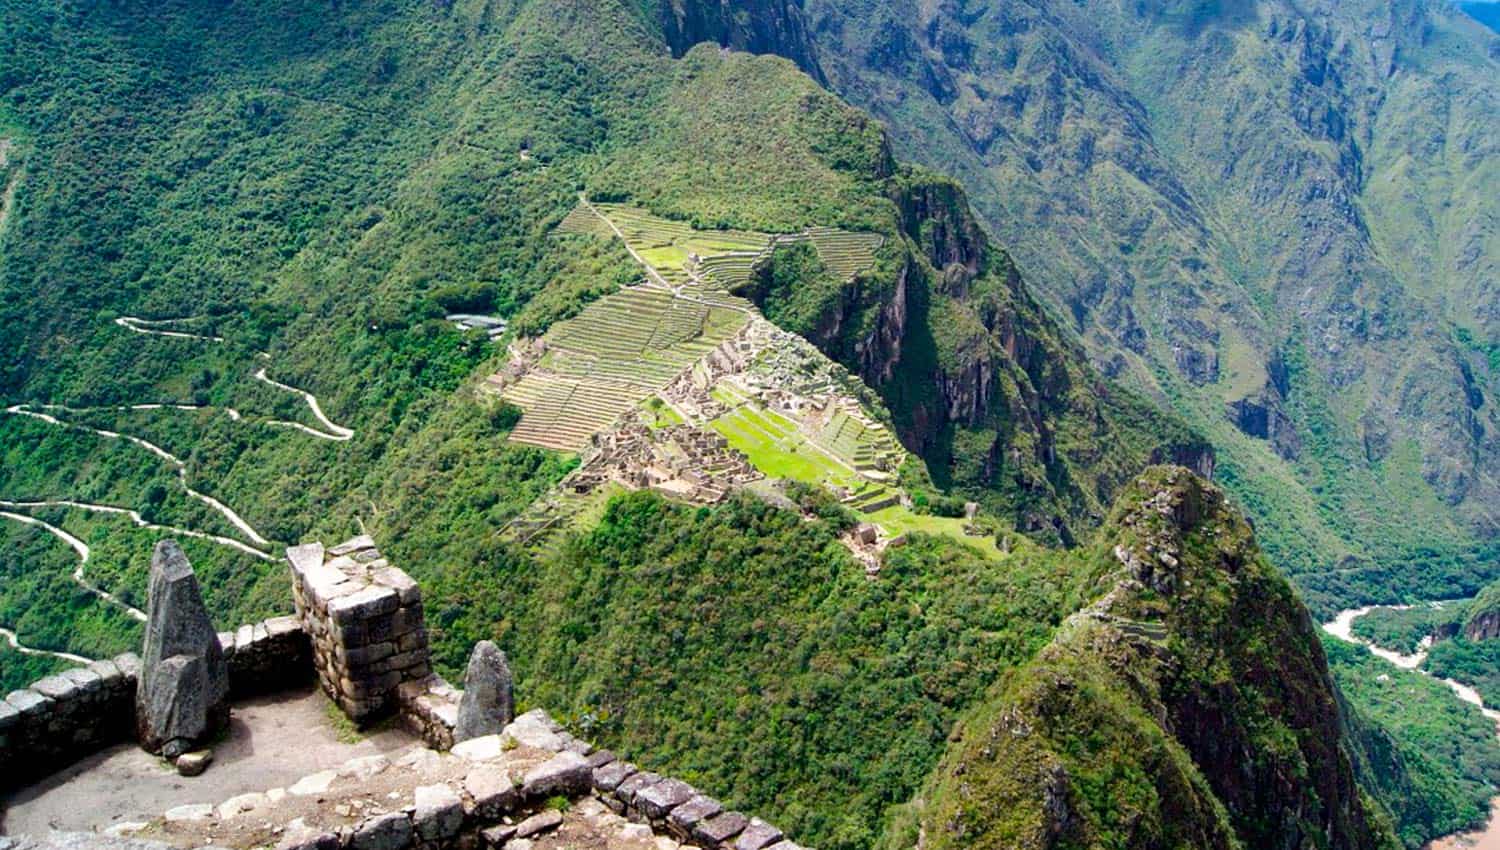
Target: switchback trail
[(140, 522), (83, 558), (15, 643), (177, 463), (155, 326)]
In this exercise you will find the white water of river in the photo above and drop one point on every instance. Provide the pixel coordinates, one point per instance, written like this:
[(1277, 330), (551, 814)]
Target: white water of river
[(1342, 627)]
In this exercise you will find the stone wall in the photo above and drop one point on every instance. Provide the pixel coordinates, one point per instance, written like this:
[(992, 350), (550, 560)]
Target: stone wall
[(364, 619), (267, 657), (66, 716), (496, 791)]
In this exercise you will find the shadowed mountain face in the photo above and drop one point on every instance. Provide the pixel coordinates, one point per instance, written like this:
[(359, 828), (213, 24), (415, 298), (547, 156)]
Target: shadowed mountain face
[(1271, 216)]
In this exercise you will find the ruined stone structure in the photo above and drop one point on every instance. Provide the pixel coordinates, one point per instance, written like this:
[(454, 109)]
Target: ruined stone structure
[(364, 618), (359, 628), (267, 657), (183, 696), (76, 712), (66, 716)]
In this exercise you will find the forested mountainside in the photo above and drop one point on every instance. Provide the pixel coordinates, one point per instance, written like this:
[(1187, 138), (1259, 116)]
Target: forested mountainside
[(1276, 218), (229, 241)]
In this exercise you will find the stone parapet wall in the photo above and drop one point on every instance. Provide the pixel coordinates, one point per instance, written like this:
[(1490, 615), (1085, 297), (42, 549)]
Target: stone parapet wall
[(63, 717), (267, 657), (496, 791), (364, 620), (429, 710)]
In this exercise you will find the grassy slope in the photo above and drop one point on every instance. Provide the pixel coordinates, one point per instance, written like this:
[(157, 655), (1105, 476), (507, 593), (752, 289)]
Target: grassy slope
[(320, 181)]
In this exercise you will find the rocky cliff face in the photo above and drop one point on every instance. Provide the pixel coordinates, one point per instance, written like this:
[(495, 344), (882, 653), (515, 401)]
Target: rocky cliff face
[(1482, 620), (981, 382), (755, 26), (1270, 216), (1189, 705)]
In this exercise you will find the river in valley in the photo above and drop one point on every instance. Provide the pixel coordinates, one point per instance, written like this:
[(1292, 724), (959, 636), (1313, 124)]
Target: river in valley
[(1342, 627)]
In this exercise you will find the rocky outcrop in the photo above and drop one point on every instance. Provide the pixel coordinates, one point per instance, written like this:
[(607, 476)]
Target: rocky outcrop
[(489, 701), (1261, 416), (183, 698), (1482, 621), (1195, 674), (756, 26)]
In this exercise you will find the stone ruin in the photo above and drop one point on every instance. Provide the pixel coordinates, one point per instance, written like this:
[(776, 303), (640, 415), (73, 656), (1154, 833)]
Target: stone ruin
[(365, 620), (683, 461), (183, 697), (517, 783)]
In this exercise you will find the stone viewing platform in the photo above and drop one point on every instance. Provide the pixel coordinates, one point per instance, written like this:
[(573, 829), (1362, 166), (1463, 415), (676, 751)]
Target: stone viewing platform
[(287, 775), (533, 786)]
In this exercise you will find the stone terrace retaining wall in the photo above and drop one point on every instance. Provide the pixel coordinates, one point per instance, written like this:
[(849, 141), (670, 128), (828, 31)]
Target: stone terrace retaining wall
[(267, 657), (66, 716), (364, 618)]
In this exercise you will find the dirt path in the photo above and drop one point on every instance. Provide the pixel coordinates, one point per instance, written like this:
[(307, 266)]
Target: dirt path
[(83, 558), (176, 462), (140, 522), (10, 638), (334, 431)]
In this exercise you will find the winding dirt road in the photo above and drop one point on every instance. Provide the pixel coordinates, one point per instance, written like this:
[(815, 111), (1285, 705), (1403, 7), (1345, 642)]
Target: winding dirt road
[(15, 643), (176, 462), (83, 559)]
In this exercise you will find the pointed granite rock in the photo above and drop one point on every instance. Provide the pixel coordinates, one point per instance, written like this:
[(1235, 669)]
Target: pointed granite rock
[(489, 702), (183, 696)]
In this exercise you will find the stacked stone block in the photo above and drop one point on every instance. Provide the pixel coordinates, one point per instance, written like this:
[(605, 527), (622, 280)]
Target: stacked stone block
[(267, 657), (429, 710), (66, 716), (364, 620)]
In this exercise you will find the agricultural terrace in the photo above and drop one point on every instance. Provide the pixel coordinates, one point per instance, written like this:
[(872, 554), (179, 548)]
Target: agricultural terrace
[(626, 346), (622, 351), (609, 358)]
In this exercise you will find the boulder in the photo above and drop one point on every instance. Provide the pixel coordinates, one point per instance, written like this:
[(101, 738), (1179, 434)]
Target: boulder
[(489, 702), (195, 762), (183, 696)]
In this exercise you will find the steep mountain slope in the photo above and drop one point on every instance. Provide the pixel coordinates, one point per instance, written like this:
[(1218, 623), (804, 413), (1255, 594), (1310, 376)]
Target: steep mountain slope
[(1189, 705), (217, 204), (1275, 217)]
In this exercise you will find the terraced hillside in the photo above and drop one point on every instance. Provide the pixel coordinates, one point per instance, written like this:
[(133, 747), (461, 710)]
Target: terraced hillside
[(630, 344)]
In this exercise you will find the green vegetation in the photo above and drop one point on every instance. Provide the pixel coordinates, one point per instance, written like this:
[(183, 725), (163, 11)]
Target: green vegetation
[(1166, 249), (321, 191), (843, 690), (17, 670), (1431, 759), (1475, 663), (1403, 630)]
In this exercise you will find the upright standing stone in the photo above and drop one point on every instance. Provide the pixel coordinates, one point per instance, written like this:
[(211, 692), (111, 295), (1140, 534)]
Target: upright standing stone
[(489, 701), (183, 696)]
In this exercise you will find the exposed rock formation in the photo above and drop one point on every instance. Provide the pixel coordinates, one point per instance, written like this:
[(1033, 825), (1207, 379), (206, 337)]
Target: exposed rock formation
[(183, 698), (1483, 619), (770, 26), (1195, 667), (489, 701)]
